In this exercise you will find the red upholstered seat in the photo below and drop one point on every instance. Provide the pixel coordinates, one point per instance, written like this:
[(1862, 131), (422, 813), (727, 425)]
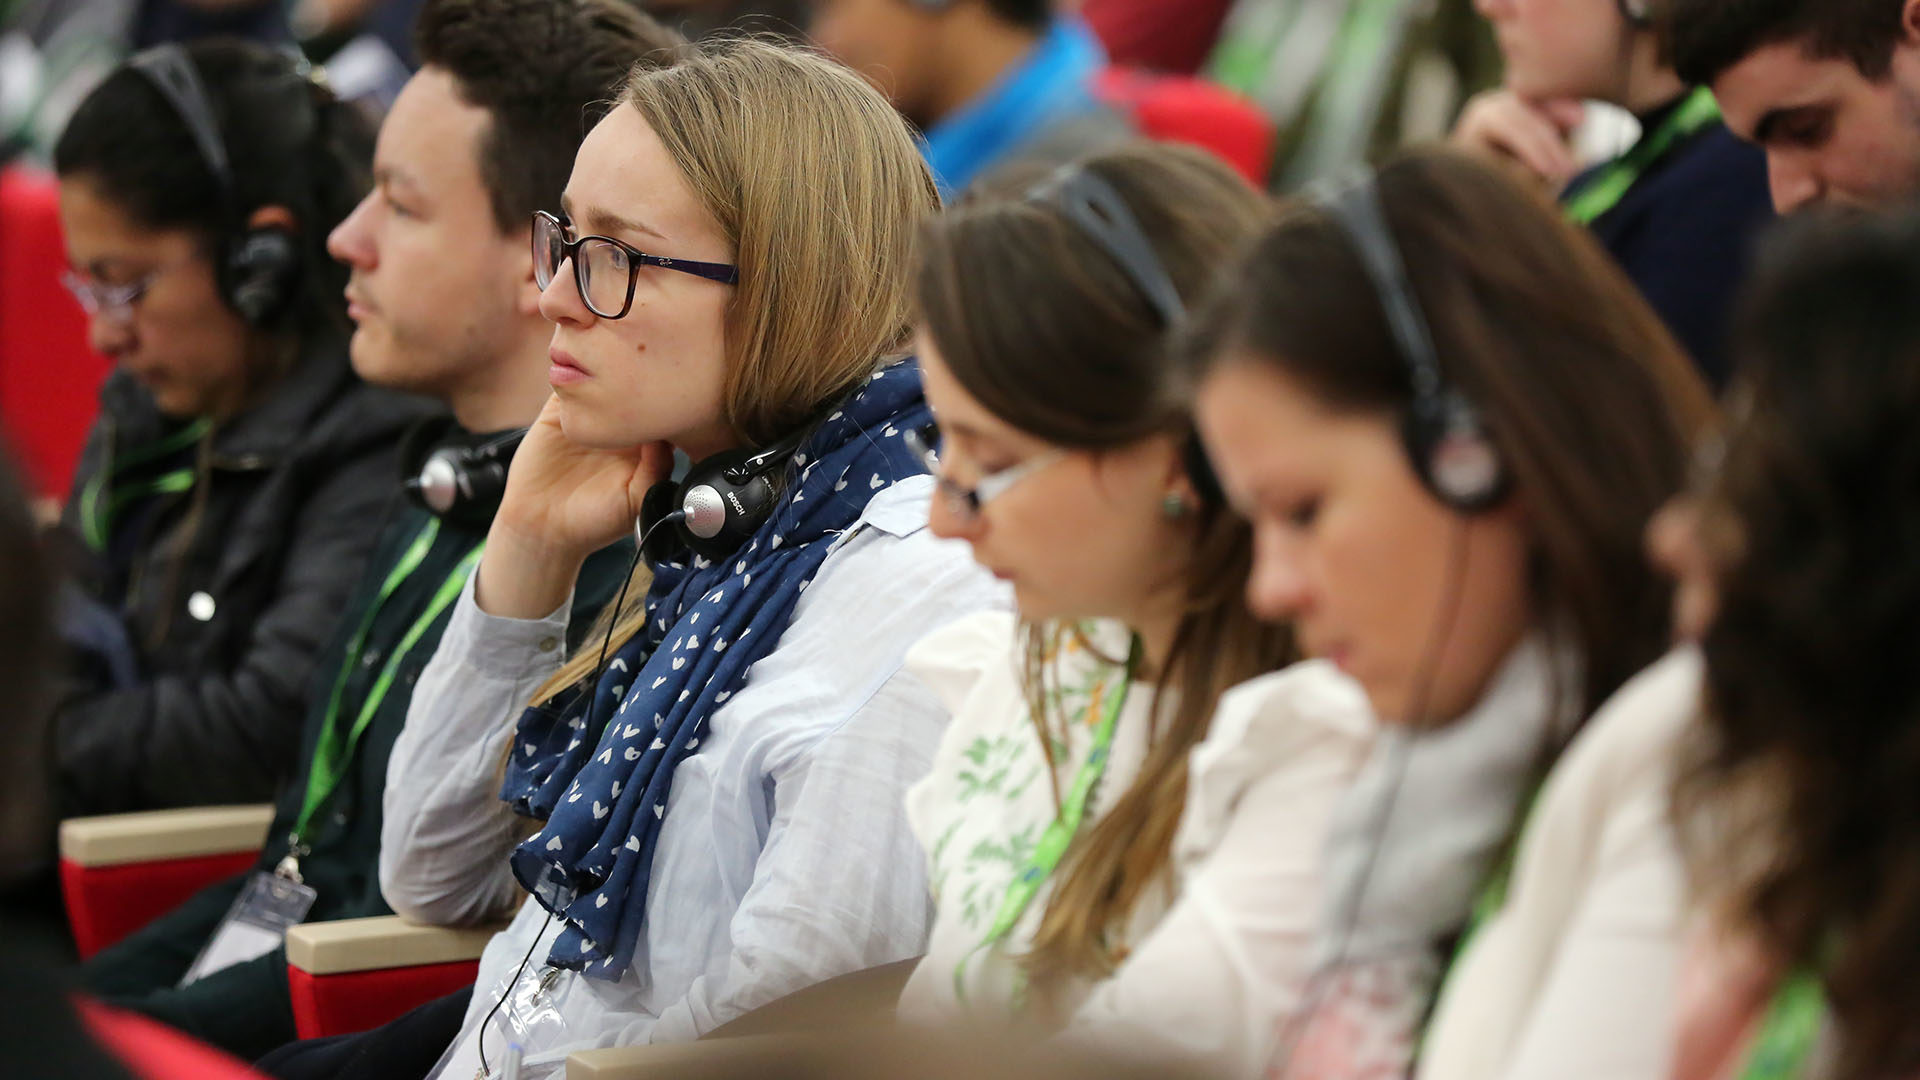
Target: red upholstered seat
[(1194, 111), (350, 1001), (121, 871), (153, 1051), (49, 377)]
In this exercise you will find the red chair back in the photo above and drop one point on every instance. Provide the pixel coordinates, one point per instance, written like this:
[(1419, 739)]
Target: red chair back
[(49, 377), (1181, 109)]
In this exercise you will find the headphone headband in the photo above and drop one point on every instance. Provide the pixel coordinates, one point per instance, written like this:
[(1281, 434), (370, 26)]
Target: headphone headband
[(260, 267), (1093, 204), (1443, 432), (169, 69), (1356, 206)]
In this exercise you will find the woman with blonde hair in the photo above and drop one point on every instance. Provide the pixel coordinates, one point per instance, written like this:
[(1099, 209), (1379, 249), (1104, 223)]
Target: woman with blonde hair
[(1124, 821), (716, 784)]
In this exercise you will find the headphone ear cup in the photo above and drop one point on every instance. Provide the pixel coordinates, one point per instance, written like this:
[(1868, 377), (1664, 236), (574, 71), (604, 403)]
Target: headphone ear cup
[(261, 271), (1453, 455), (722, 515)]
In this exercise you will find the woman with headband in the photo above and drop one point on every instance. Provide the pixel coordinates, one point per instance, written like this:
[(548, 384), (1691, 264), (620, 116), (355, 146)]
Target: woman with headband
[(1123, 823), (236, 478), (1448, 418)]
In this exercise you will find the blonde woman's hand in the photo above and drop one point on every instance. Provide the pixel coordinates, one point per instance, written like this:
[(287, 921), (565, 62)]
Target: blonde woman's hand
[(1534, 135), (563, 502)]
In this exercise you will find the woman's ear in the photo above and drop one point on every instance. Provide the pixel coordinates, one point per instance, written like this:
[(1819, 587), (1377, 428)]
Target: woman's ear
[(1178, 487)]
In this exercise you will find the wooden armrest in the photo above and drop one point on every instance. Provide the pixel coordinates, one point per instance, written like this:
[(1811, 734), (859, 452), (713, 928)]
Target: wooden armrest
[(385, 941), (857, 998), (118, 839), (682, 1061)]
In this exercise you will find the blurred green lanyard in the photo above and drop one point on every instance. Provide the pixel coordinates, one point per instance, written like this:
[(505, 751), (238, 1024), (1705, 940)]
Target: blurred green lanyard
[(1060, 832), (333, 754), (1788, 1032), (98, 507), (1698, 112)]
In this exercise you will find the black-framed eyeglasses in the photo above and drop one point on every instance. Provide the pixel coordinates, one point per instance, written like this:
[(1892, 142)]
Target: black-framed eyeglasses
[(604, 269), (967, 502)]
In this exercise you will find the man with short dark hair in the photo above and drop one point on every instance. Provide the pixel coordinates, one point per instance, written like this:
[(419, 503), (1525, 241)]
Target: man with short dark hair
[(443, 296), (1830, 89), (989, 81)]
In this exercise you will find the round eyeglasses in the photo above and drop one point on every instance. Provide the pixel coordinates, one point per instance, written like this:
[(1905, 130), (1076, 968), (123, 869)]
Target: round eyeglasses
[(968, 501), (114, 302), (604, 269)]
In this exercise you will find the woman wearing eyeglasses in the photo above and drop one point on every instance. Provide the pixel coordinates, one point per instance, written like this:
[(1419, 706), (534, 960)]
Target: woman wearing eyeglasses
[(1122, 830), (707, 814), (232, 485)]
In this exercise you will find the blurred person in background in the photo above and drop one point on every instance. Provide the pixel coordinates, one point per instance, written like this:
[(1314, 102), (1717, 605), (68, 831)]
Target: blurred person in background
[(1131, 713), (43, 1031), (1796, 809), (54, 52), (231, 489), (1680, 208), (443, 294), (1449, 418), (1830, 89), (987, 82), (1347, 80)]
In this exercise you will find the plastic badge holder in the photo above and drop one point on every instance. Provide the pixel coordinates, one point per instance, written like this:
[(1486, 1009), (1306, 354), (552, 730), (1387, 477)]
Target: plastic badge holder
[(255, 925), (530, 1018)]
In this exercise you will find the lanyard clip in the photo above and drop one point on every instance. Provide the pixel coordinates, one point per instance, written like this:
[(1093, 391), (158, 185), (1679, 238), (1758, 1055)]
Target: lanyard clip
[(289, 865)]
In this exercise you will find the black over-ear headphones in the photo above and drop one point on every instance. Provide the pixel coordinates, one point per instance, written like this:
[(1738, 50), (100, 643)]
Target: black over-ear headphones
[(720, 505), (1093, 205), (1444, 435), (456, 476), (258, 269)]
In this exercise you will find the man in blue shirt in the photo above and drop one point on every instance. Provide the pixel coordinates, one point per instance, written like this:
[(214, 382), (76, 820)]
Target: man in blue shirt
[(989, 82)]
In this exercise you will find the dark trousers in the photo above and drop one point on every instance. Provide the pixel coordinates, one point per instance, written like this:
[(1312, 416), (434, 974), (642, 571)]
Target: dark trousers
[(402, 1050), (244, 1009)]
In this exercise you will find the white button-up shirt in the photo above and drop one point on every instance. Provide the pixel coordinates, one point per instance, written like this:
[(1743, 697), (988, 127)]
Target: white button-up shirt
[(785, 857)]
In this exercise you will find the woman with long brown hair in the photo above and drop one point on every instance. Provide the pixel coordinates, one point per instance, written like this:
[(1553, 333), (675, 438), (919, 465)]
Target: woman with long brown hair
[(1448, 418), (1796, 552), (1122, 830)]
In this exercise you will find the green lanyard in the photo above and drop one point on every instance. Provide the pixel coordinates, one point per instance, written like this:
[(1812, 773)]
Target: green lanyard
[(1787, 1034), (1615, 179), (98, 507), (332, 755), (1060, 832)]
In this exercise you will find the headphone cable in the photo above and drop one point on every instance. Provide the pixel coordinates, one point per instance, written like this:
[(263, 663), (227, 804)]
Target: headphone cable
[(1376, 832), (587, 687)]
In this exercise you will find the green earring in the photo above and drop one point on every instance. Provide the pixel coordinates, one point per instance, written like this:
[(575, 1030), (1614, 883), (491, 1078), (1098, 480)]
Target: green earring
[(1174, 506)]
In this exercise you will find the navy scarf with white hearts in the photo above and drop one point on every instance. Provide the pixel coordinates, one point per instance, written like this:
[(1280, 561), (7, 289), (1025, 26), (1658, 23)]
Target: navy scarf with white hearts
[(599, 770)]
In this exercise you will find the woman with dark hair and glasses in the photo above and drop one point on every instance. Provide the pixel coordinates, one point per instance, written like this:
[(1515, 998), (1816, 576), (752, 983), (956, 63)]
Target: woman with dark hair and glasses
[(231, 488), (1124, 821)]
